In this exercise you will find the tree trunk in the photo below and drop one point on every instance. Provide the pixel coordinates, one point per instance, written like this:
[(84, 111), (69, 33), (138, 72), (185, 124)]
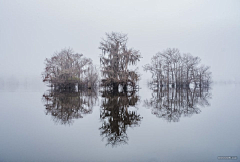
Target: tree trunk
[(125, 87), (115, 87)]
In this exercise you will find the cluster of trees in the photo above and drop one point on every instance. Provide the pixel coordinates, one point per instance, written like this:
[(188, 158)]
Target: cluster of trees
[(115, 61), (172, 68), (66, 69), (64, 107), (116, 116), (173, 103)]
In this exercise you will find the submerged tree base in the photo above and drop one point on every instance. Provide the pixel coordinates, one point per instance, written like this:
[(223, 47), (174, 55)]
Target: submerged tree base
[(71, 86), (179, 85), (119, 86)]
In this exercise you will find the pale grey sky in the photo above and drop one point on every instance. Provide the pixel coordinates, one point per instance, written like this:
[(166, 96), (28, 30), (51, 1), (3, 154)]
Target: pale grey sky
[(31, 30)]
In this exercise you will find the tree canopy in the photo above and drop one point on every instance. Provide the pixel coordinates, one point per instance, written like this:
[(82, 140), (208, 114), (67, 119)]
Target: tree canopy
[(115, 61), (68, 68), (170, 67)]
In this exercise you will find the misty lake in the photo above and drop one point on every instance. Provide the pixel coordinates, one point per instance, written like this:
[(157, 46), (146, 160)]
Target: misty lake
[(191, 125), (55, 55)]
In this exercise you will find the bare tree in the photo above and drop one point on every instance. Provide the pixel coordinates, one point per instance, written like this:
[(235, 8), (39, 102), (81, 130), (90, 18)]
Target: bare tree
[(115, 61), (65, 69), (171, 68)]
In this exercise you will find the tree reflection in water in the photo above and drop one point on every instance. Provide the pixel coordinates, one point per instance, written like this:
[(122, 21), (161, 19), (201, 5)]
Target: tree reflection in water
[(116, 116), (173, 103), (65, 106)]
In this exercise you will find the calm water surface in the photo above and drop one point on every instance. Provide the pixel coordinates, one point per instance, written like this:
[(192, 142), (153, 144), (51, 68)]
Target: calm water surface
[(168, 125)]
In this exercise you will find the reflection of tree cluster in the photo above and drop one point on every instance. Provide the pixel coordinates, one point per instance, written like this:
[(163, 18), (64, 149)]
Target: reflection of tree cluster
[(66, 106), (116, 116), (172, 103)]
